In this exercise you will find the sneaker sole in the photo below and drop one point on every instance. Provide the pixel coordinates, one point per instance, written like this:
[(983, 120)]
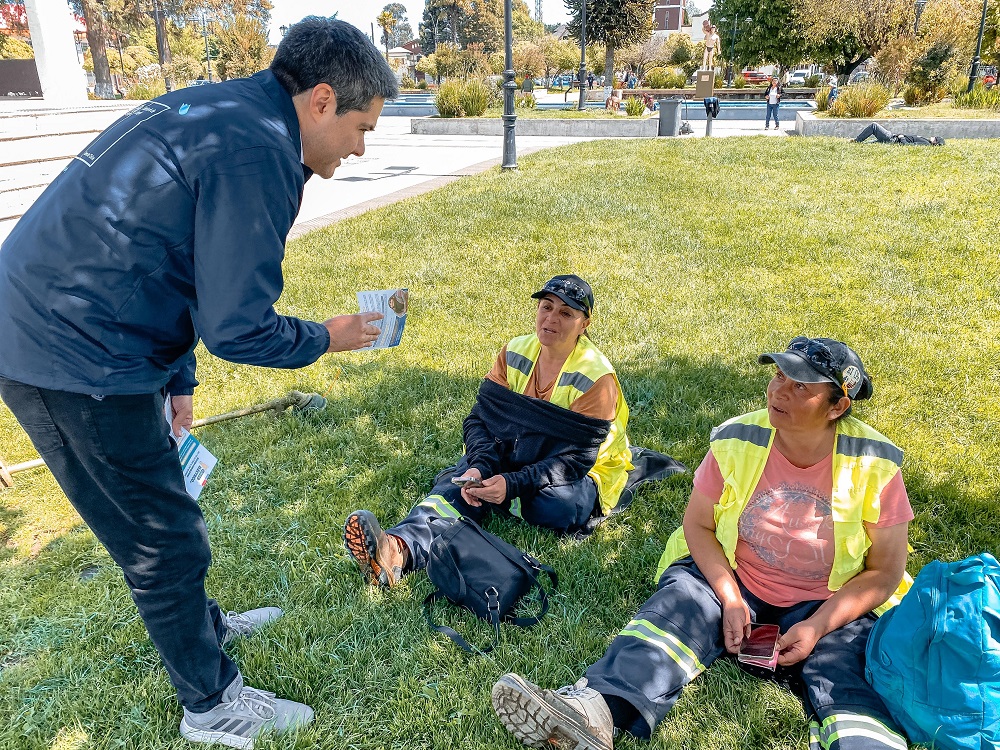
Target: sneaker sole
[(537, 722), (205, 736), (361, 542)]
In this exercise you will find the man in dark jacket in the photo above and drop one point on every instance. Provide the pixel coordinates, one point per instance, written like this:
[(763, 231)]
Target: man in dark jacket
[(171, 226), (883, 135)]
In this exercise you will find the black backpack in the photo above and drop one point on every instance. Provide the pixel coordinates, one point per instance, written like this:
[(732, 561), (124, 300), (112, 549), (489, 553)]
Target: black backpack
[(481, 572)]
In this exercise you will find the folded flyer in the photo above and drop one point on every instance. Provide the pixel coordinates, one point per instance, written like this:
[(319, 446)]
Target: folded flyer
[(393, 304), (196, 460)]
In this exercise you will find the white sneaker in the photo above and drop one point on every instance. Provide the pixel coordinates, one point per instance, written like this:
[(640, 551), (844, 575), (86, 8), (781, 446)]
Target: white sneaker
[(249, 622), (243, 714), (571, 718)]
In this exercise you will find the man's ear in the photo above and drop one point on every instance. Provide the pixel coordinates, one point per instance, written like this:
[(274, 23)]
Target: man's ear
[(322, 98)]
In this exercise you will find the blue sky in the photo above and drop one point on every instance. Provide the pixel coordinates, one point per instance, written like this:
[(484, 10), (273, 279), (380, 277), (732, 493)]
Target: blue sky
[(362, 13)]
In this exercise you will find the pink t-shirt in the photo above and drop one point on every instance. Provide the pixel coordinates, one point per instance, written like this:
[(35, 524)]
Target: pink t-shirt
[(784, 553)]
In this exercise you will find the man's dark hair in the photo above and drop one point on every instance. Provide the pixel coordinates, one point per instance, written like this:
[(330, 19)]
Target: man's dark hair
[(321, 50)]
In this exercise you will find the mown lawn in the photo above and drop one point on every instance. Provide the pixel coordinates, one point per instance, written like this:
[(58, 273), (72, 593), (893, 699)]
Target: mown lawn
[(702, 253)]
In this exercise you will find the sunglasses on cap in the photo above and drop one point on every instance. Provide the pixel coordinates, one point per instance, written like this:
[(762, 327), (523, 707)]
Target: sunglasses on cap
[(819, 356), (571, 289)]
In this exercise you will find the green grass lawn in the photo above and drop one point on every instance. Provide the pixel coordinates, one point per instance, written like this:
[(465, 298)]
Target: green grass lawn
[(941, 110), (696, 270)]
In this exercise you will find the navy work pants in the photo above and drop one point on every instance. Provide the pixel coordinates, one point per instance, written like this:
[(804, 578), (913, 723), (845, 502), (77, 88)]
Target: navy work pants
[(114, 459), (563, 509), (677, 634)]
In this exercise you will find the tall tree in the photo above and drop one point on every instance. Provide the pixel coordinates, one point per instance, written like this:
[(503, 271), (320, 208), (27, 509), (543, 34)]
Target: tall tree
[(613, 23), (97, 39), (243, 47), (402, 32), (873, 23), (454, 9), (434, 27), (768, 31), (387, 22)]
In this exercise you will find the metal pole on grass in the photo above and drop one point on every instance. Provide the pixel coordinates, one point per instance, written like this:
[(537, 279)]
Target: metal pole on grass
[(974, 70), (509, 147), (583, 54), (732, 51)]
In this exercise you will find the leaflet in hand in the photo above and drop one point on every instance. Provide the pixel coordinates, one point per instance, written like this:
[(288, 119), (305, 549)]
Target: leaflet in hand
[(196, 461), (393, 304), (760, 648)]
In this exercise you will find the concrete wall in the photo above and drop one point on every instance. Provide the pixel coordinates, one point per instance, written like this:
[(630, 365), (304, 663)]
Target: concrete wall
[(807, 123), (602, 128)]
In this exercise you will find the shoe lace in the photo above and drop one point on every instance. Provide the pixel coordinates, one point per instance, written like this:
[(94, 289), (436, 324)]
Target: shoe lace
[(260, 703), (239, 624), (578, 690)]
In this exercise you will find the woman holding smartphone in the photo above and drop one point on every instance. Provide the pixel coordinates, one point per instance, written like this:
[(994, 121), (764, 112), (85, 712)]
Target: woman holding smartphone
[(545, 442), (798, 519)]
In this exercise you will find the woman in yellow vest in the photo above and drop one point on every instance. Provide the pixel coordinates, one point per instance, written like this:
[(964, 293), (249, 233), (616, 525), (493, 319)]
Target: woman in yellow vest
[(798, 519), (545, 442)]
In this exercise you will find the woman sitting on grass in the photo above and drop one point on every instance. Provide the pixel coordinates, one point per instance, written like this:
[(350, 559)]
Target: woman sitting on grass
[(798, 518), (545, 442)]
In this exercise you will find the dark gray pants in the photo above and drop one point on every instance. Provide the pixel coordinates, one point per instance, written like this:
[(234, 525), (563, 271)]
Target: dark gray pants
[(677, 634), (563, 509), (117, 465)]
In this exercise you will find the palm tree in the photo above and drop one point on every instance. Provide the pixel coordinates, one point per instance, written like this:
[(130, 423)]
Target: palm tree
[(386, 22)]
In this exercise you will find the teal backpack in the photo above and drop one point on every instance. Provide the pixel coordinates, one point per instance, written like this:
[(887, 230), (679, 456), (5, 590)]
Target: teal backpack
[(934, 658)]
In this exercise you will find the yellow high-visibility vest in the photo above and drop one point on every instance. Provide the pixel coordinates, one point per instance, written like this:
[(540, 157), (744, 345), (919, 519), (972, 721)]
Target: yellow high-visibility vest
[(584, 366), (864, 461)]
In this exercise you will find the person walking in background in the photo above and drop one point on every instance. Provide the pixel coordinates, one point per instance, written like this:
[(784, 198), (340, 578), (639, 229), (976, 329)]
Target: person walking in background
[(171, 227), (590, 80), (773, 98)]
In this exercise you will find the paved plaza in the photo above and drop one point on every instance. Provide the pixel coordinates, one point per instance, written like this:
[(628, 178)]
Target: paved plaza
[(37, 141)]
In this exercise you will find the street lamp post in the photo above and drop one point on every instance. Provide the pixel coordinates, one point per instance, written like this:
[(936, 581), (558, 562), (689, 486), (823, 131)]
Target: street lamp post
[(918, 9), (208, 54), (732, 49), (509, 118), (974, 70), (583, 54)]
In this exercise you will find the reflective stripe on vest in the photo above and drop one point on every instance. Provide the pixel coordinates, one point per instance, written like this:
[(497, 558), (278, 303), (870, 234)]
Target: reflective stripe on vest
[(584, 367), (864, 462), (673, 646)]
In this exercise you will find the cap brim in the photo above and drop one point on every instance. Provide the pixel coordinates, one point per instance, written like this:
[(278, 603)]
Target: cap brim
[(571, 302), (795, 367)]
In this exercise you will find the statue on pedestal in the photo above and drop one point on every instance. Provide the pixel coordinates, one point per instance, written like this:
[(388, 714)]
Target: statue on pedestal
[(712, 43)]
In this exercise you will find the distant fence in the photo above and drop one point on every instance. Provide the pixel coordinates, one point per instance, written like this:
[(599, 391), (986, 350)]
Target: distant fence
[(19, 78)]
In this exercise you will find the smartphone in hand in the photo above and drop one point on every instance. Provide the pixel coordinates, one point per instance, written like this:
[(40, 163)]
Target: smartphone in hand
[(760, 648), (467, 481)]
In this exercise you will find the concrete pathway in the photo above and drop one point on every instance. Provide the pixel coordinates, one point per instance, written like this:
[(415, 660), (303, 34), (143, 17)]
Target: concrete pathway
[(38, 141)]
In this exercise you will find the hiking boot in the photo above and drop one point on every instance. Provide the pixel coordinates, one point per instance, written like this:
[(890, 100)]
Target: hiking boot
[(380, 556), (249, 622), (574, 717), (243, 714)]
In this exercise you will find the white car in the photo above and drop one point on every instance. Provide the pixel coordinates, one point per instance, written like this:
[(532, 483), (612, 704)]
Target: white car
[(798, 78)]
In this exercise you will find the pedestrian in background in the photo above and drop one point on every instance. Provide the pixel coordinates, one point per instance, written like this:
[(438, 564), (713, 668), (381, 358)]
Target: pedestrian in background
[(773, 98)]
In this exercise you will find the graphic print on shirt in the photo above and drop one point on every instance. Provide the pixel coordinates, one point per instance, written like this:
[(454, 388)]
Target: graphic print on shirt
[(790, 527), (129, 122)]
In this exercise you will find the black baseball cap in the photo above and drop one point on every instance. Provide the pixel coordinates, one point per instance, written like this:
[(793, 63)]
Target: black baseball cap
[(822, 360), (571, 289)]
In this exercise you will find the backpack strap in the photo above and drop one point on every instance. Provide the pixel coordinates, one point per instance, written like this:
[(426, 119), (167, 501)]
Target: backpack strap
[(493, 603), (543, 598)]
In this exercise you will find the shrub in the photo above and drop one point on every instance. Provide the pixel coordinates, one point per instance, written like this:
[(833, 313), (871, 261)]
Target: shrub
[(474, 98), (811, 82), (719, 82), (146, 91), (525, 101), (861, 100), (979, 98), (739, 82), (914, 96), (449, 99), (932, 70), (822, 98), (658, 78), (407, 83), (677, 81), (634, 106), (422, 85)]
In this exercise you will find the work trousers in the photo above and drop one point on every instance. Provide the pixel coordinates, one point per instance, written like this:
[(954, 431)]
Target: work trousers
[(677, 634), (772, 111), (563, 509), (113, 457)]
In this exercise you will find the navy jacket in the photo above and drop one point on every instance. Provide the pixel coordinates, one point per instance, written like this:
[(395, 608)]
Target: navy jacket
[(171, 225)]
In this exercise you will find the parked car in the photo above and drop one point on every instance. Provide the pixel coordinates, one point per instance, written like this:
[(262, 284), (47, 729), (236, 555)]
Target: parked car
[(798, 78), (858, 76), (755, 77)]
